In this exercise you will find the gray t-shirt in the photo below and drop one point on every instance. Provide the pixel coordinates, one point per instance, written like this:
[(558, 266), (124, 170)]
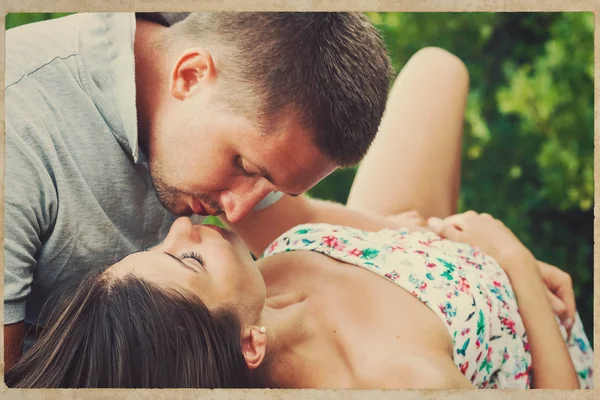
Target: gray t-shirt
[(78, 193)]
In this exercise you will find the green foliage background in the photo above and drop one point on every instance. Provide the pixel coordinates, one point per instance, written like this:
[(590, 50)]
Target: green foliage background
[(528, 134)]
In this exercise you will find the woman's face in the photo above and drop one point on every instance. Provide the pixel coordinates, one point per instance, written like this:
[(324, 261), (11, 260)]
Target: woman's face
[(213, 263)]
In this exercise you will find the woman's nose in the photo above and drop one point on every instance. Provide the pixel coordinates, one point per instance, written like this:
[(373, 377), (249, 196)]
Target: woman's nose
[(182, 228)]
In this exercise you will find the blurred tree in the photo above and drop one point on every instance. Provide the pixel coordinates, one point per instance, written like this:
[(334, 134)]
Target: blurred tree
[(528, 136), (15, 19), (529, 126)]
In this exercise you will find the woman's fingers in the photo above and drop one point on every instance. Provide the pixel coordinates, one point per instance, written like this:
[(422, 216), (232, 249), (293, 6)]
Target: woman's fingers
[(562, 312), (451, 224), (445, 228), (560, 284), (409, 219), (558, 306)]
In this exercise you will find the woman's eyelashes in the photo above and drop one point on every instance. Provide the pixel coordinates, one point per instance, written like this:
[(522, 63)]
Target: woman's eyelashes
[(194, 256)]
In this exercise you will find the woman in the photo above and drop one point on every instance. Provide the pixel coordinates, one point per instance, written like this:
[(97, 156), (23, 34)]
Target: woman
[(327, 306)]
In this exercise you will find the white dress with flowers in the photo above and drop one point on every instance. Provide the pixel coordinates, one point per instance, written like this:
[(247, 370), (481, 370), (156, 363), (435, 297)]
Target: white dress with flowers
[(467, 289)]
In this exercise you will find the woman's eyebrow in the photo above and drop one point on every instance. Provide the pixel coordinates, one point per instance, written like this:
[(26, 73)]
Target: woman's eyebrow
[(181, 262)]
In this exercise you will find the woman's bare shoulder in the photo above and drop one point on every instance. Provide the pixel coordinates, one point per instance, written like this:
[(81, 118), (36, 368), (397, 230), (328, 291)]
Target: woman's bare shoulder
[(297, 261), (419, 371)]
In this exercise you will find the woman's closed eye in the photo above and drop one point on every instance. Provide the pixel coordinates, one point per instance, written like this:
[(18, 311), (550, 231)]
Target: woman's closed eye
[(197, 260), (194, 256)]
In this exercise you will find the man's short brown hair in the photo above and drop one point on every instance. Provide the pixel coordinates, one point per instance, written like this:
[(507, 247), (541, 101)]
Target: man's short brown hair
[(331, 69)]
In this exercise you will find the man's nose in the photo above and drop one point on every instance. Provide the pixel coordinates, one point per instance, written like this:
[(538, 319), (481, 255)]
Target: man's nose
[(240, 202)]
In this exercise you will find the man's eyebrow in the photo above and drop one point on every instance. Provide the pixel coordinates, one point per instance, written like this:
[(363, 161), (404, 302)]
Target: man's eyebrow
[(181, 262)]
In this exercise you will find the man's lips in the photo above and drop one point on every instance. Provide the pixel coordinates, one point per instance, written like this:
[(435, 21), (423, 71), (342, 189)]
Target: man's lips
[(198, 208)]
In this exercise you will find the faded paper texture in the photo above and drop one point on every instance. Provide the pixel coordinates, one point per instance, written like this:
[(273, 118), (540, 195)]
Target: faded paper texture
[(303, 5)]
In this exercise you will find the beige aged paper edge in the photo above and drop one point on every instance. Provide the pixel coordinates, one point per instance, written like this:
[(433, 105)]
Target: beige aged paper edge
[(8, 6)]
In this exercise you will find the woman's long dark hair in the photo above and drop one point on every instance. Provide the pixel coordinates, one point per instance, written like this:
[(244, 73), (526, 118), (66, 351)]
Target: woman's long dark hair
[(110, 332)]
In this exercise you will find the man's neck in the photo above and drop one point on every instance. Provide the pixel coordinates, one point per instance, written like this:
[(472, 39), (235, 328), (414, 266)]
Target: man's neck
[(150, 75)]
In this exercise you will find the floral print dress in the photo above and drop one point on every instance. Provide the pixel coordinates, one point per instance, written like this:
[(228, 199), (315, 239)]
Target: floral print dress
[(466, 288)]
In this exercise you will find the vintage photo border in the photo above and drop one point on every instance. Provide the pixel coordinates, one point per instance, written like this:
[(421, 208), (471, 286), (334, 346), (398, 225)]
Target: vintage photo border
[(8, 6)]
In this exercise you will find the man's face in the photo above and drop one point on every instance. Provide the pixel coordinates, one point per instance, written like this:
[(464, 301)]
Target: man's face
[(205, 158), (215, 161)]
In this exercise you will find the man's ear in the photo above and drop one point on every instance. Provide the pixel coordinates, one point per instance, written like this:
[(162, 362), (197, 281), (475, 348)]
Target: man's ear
[(193, 68), (254, 346)]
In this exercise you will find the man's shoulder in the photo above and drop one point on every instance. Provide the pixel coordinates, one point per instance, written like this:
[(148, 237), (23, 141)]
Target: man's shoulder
[(60, 84), (33, 46)]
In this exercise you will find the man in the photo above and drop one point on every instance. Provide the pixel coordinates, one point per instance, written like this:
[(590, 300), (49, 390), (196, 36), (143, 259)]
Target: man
[(115, 125)]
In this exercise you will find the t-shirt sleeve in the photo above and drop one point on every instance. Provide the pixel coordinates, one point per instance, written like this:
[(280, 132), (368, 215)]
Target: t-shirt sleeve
[(30, 203), (268, 201)]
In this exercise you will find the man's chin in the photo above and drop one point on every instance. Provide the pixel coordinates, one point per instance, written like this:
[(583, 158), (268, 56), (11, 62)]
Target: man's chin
[(178, 210), (186, 213), (170, 200)]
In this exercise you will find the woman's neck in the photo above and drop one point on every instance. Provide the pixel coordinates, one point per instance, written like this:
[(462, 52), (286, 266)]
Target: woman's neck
[(289, 325)]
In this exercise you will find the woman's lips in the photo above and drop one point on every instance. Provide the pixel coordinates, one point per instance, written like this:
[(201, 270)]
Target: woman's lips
[(216, 228), (226, 234)]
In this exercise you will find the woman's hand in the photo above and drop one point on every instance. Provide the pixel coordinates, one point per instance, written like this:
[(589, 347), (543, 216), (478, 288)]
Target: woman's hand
[(560, 291), (412, 220), (495, 239), (551, 363), (490, 235)]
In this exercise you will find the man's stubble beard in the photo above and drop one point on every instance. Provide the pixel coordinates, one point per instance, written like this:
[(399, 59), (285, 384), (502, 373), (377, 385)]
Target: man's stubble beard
[(169, 196), (165, 194)]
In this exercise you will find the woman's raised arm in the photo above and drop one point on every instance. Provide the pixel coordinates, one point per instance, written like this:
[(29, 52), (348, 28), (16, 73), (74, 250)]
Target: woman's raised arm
[(552, 366)]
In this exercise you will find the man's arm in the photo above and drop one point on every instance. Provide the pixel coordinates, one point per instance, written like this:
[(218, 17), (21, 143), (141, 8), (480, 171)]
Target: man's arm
[(261, 227), (30, 204), (13, 338)]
